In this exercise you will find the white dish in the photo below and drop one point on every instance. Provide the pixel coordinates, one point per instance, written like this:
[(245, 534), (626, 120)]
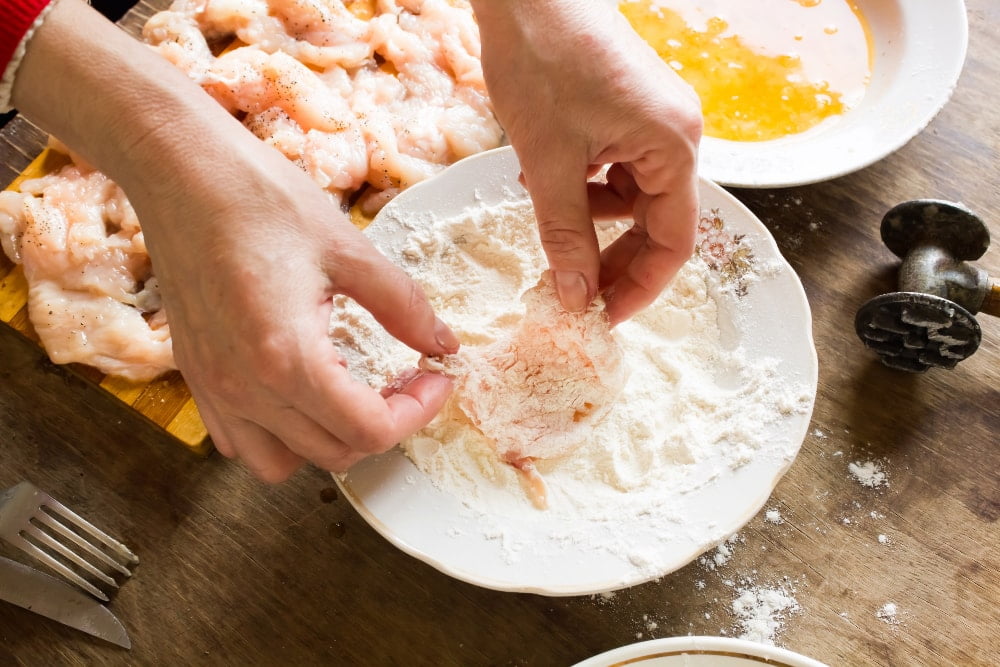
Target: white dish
[(919, 51), (699, 652), (772, 320)]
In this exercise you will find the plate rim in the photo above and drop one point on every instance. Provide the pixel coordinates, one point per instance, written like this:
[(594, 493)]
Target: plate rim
[(598, 585)]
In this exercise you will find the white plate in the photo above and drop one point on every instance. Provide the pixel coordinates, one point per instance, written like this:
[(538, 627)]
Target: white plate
[(919, 50), (531, 553), (699, 652)]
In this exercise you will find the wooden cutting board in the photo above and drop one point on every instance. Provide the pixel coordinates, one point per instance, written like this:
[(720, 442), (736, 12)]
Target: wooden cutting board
[(164, 401)]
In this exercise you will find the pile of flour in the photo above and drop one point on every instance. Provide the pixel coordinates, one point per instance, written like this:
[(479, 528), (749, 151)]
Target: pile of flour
[(693, 404)]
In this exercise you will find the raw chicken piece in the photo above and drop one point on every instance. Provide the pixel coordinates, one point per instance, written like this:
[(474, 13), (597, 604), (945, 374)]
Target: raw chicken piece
[(321, 34), (367, 97), (99, 331), (92, 297), (253, 81), (178, 38), (538, 394)]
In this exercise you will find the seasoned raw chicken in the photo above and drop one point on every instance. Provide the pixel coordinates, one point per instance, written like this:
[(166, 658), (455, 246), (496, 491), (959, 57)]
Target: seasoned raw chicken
[(92, 297), (367, 97)]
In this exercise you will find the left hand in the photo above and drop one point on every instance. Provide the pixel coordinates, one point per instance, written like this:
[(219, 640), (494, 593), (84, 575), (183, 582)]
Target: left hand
[(576, 88)]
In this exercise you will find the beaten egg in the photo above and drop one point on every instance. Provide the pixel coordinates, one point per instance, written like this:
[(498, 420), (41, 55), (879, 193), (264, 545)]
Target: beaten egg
[(764, 69)]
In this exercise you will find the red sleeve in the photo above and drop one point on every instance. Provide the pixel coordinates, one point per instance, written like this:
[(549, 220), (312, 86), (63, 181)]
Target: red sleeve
[(16, 17)]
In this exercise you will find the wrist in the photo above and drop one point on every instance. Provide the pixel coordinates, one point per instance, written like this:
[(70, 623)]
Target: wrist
[(120, 105), (106, 95), (21, 19)]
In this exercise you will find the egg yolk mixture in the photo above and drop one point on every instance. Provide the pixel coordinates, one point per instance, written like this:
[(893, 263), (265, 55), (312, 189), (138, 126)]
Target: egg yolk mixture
[(763, 69)]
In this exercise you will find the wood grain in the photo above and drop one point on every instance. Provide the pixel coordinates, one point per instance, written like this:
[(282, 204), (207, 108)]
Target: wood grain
[(237, 572)]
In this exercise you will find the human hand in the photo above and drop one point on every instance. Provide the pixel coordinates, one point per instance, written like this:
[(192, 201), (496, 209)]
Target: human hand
[(248, 261), (576, 88), (247, 250)]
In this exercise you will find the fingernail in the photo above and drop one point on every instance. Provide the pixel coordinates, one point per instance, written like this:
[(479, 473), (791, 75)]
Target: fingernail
[(572, 289), (445, 337)]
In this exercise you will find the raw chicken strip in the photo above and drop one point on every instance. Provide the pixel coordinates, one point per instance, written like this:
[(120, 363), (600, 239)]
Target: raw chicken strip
[(99, 331), (92, 297)]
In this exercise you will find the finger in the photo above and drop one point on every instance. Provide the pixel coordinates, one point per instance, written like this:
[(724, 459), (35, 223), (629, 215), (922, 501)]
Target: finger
[(617, 256), (397, 302), (592, 171), (261, 452), (614, 199), (361, 418), (399, 382), (566, 230), (307, 439), (422, 397), (669, 241)]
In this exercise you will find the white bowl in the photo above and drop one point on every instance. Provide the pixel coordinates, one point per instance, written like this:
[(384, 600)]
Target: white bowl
[(530, 551), (699, 652), (919, 50)]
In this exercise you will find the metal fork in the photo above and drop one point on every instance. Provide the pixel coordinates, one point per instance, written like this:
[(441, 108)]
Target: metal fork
[(47, 530)]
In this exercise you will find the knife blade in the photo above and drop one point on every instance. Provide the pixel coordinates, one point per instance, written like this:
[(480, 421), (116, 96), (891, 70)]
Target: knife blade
[(36, 591)]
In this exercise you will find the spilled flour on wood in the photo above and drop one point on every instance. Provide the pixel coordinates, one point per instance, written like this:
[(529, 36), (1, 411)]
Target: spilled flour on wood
[(761, 612), (888, 614), (868, 473), (759, 608)]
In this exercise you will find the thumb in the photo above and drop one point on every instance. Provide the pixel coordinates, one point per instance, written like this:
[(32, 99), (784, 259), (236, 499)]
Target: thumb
[(566, 229), (393, 298)]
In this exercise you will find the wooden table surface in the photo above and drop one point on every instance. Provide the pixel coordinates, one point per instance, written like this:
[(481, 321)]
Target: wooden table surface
[(237, 572)]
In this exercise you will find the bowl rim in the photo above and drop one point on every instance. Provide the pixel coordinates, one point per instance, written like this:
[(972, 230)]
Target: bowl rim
[(931, 44), (723, 647)]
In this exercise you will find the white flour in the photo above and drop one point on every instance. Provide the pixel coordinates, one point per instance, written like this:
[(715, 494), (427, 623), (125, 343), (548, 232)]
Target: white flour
[(888, 613), (693, 404), (718, 558), (761, 612), (868, 473)]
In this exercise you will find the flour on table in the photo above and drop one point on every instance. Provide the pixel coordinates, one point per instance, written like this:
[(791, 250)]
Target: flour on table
[(761, 612), (723, 552), (888, 613), (693, 404), (868, 473)]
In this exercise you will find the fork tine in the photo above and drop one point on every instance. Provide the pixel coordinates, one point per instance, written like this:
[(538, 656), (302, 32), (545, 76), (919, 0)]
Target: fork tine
[(64, 541), (58, 508), (72, 536), (61, 549), (55, 545), (67, 573)]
